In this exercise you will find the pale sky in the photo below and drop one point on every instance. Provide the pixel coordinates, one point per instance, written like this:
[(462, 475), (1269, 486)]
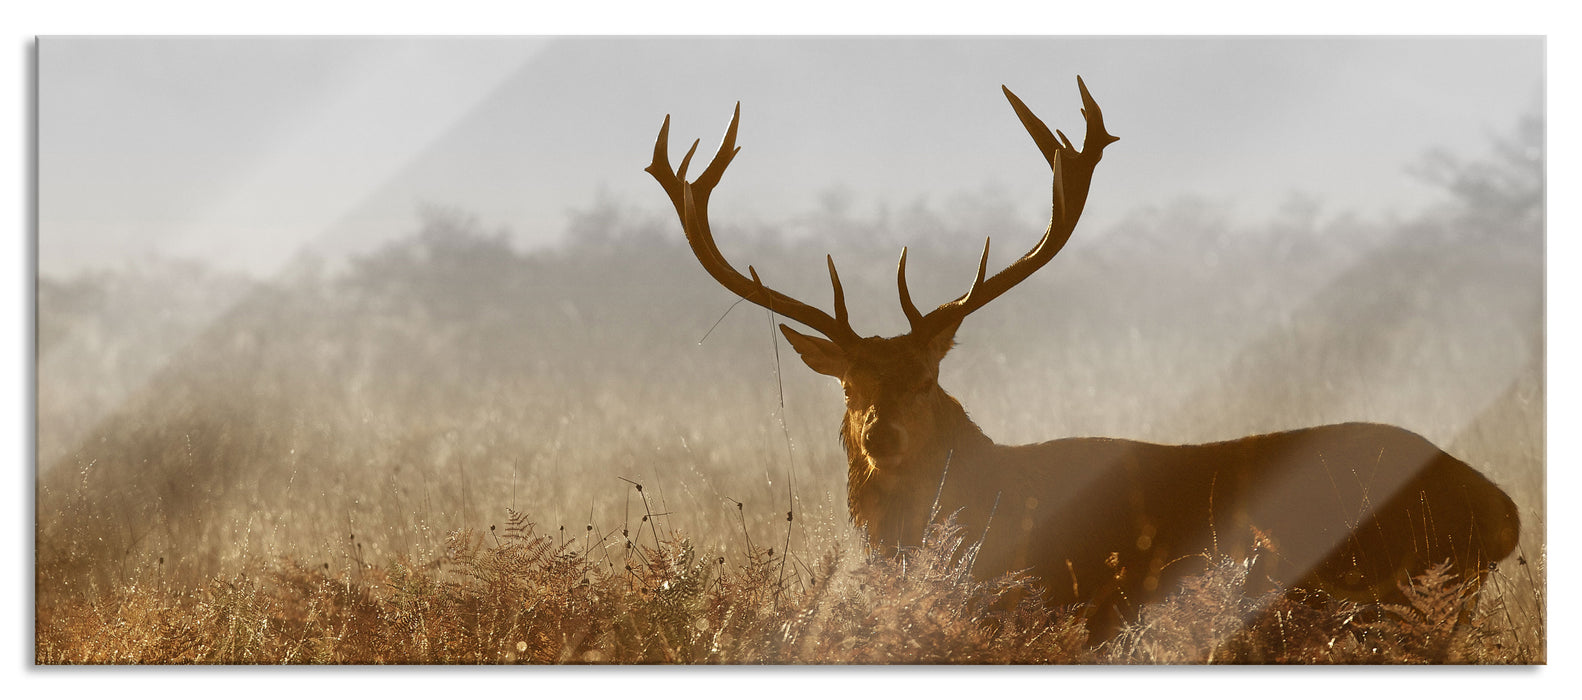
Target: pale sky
[(243, 152)]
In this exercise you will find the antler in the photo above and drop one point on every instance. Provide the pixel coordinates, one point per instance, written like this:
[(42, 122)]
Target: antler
[(1073, 173), (691, 200)]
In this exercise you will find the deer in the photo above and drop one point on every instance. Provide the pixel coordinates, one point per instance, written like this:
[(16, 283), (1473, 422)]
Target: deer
[(1108, 525)]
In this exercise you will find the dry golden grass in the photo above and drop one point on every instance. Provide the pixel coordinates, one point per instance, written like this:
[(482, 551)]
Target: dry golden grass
[(517, 597), (306, 470)]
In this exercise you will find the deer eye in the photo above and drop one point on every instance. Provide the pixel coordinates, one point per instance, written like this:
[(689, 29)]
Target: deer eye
[(852, 391)]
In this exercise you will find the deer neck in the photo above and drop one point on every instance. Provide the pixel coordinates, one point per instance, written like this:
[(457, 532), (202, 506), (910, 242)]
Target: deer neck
[(893, 499)]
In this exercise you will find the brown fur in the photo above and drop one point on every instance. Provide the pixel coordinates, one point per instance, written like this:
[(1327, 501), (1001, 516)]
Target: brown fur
[(1352, 509)]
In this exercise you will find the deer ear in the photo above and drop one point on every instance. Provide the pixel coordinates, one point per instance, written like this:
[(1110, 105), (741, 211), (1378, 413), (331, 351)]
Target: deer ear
[(824, 356), (942, 342)]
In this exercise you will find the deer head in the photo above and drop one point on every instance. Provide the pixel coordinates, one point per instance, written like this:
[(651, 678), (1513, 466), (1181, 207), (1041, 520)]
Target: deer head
[(894, 404)]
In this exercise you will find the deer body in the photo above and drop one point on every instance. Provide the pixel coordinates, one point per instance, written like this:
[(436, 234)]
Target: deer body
[(1353, 509), (1111, 524)]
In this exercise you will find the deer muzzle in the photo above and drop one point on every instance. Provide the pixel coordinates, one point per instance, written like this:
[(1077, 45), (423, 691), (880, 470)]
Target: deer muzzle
[(883, 439)]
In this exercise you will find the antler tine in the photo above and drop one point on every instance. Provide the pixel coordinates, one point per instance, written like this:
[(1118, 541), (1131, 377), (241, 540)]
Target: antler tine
[(691, 200), (840, 293), (711, 175), (1073, 172), (913, 316), (1035, 126), (977, 282), (681, 170)]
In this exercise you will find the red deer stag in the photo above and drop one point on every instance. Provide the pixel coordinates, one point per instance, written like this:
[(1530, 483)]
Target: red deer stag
[(1352, 509)]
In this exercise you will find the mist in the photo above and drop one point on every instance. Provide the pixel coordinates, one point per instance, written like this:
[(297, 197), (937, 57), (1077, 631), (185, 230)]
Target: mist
[(270, 327), (246, 153)]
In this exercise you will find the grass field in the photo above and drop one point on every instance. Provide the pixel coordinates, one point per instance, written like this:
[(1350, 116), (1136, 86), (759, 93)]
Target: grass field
[(448, 451)]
